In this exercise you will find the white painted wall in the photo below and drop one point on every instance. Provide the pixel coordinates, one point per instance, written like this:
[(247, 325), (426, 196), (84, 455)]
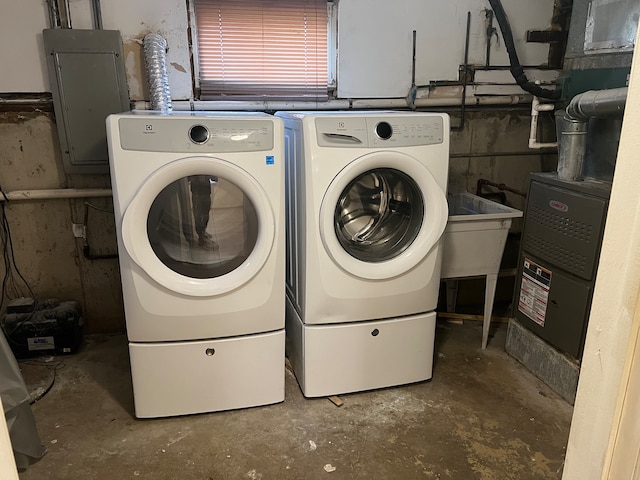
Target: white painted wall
[(374, 44), (375, 41), (22, 53), (613, 308), (166, 17)]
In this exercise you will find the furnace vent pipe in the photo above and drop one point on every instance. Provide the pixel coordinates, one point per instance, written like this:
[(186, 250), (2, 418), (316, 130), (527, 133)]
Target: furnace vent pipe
[(155, 59), (573, 137), (597, 103)]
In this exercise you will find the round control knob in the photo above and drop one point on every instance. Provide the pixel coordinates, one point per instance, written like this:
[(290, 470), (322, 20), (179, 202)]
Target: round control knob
[(199, 134), (384, 130)]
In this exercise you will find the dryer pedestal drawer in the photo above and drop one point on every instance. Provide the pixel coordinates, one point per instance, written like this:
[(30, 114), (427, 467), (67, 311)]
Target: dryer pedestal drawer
[(365, 355), (182, 378)]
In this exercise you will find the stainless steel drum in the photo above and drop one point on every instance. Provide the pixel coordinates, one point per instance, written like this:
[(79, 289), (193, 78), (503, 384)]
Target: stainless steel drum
[(379, 214)]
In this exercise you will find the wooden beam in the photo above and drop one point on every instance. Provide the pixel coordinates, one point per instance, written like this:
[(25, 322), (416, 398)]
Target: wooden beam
[(466, 316)]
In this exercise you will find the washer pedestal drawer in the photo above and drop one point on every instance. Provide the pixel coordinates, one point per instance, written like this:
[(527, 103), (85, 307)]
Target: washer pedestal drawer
[(181, 378), (334, 359)]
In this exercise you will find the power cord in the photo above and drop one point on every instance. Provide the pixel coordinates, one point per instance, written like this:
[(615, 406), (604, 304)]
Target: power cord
[(10, 261), (10, 288)]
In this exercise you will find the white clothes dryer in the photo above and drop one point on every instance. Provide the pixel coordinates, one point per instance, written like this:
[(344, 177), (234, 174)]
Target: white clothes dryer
[(199, 208), (366, 208)]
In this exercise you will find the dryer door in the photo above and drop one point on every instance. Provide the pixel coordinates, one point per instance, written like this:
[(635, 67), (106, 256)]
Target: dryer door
[(199, 226), (381, 215)]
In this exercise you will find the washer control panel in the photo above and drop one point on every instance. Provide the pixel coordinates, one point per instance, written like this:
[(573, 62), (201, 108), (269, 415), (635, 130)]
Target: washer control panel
[(382, 132), (197, 135)]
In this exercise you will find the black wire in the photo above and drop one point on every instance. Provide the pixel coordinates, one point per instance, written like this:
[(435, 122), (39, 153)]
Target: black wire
[(8, 284), (95, 207), (13, 258), (9, 287), (51, 366), (26, 320), (7, 264), (9, 334), (39, 362), (516, 69)]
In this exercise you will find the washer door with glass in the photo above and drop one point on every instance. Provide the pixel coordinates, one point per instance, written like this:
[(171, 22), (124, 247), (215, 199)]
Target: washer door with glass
[(381, 215), (199, 226)]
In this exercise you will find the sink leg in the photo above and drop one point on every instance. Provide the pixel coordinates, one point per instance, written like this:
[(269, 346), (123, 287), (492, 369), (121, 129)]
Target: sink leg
[(489, 295), (452, 294)]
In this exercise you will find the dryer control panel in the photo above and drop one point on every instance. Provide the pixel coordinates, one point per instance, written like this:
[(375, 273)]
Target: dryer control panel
[(197, 134), (379, 132)]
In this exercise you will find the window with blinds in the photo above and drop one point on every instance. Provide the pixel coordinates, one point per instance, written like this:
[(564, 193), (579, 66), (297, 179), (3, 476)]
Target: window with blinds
[(252, 49)]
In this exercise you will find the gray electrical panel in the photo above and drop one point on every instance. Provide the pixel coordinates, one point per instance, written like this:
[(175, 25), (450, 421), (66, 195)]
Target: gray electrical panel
[(559, 253), (88, 83)]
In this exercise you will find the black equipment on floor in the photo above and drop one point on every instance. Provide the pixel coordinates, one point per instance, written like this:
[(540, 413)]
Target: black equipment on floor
[(50, 326)]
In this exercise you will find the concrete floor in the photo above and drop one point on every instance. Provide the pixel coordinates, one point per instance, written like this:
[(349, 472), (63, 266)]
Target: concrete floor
[(482, 416)]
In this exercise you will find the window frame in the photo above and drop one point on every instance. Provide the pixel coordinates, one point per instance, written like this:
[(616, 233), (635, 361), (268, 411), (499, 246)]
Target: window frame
[(332, 54)]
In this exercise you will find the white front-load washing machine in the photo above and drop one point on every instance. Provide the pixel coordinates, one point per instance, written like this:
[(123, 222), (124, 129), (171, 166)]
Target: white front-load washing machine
[(366, 208), (199, 209)]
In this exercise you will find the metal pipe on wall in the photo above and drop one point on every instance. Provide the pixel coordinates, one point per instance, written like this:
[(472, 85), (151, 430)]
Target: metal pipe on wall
[(65, 13), (97, 14), (527, 153), (54, 194), (54, 15), (391, 103), (465, 78), (59, 13)]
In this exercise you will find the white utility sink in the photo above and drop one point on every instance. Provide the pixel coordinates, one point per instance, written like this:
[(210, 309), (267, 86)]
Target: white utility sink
[(473, 243)]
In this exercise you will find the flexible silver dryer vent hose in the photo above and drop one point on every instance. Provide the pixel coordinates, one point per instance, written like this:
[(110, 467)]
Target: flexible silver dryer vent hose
[(155, 60)]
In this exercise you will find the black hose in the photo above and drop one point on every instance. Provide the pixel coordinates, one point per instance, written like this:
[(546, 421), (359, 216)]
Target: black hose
[(516, 69)]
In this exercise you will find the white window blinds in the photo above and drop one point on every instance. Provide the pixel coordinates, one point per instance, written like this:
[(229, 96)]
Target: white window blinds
[(250, 49)]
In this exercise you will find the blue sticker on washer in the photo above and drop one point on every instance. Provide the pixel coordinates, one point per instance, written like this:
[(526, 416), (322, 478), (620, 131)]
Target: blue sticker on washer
[(270, 160)]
